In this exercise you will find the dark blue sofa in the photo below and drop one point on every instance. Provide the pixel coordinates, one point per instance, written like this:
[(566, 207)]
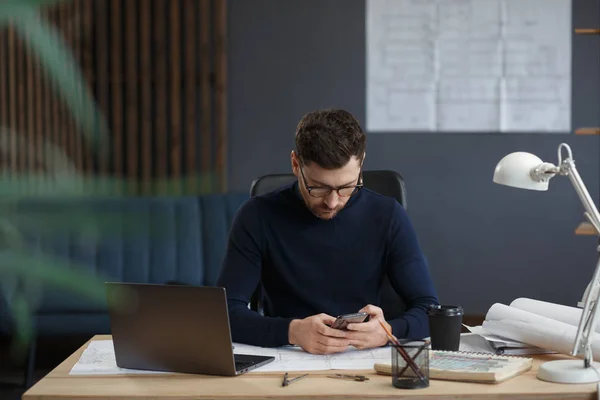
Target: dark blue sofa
[(149, 240)]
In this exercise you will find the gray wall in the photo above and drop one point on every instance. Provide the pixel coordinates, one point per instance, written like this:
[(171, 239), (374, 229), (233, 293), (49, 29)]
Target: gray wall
[(485, 243)]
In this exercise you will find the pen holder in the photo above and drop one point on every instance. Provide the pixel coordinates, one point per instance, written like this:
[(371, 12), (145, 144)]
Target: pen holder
[(410, 365)]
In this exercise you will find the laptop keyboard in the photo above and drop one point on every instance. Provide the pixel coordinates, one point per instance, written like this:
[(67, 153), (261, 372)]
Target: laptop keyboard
[(239, 365)]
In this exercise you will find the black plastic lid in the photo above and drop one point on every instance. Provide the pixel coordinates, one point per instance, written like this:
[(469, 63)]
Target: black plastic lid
[(436, 309)]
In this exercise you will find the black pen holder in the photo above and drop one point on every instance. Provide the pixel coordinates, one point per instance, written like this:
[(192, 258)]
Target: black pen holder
[(410, 365)]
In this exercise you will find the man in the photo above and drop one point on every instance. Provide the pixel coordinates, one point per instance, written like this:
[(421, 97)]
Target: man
[(320, 248)]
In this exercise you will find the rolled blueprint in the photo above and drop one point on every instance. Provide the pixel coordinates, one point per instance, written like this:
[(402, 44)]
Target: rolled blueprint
[(559, 312), (535, 330)]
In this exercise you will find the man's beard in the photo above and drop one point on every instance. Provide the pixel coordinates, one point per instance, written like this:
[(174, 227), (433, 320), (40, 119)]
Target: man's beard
[(324, 212)]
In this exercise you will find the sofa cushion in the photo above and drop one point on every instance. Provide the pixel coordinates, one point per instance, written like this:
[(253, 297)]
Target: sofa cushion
[(80, 323), (217, 213), (131, 239)]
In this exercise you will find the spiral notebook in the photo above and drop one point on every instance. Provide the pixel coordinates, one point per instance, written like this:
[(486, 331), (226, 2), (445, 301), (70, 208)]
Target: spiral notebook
[(469, 367)]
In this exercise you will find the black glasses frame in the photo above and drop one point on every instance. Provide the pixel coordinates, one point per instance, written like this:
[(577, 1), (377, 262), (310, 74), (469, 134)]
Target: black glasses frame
[(310, 189)]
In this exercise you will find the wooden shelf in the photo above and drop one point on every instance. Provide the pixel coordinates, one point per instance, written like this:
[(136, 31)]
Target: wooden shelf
[(587, 31), (587, 131), (585, 228)]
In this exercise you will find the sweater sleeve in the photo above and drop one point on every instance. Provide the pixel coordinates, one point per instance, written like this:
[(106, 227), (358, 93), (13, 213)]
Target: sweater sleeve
[(409, 276), (240, 275)]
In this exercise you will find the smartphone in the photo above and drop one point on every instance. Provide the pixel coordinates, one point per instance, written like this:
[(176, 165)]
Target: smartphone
[(342, 321)]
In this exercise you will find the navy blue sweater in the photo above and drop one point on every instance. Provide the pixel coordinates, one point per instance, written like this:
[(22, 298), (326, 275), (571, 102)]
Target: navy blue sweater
[(308, 266)]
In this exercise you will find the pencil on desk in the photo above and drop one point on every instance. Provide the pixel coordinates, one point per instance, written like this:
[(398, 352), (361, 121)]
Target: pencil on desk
[(403, 353), (416, 355)]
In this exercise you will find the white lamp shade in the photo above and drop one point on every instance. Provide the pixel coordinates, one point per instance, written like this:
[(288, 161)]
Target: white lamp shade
[(515, 170)]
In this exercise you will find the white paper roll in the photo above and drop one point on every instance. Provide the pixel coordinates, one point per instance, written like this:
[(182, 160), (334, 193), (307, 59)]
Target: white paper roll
[(559, 312), (535, 330)]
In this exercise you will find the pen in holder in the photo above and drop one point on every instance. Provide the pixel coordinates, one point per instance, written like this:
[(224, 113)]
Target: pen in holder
[(410, 364), (409, 360)]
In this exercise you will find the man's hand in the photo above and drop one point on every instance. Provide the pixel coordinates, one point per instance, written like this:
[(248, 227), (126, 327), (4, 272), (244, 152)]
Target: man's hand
[(365, 335), (314, 336)]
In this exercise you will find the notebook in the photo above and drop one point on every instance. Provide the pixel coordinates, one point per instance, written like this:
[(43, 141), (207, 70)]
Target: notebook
[(469, 367), (501, 349)]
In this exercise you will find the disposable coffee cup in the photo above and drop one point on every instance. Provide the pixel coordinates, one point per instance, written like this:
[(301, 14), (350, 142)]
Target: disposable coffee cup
[(445, 322)]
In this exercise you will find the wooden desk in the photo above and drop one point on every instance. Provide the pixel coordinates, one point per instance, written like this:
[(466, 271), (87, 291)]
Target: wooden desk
[(58, 384)]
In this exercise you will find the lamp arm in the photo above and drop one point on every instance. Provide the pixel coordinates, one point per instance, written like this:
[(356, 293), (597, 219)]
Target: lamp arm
[(587, 323), (568, 168)]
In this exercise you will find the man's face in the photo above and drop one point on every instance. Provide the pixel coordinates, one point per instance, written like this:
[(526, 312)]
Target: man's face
[(321, 180)]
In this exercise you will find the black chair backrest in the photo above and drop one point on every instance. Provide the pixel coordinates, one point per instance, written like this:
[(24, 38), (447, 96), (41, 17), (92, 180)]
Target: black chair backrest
[(385, 182)]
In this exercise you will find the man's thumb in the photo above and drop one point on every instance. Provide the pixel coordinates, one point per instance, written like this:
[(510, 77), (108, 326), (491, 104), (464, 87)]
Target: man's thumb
[(327, 319)]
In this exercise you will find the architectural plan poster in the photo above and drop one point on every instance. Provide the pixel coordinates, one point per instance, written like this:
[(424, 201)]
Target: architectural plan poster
[(468, 65)]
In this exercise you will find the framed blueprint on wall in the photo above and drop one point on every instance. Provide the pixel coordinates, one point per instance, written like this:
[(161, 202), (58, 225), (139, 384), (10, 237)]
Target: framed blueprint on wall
[(468, 65)]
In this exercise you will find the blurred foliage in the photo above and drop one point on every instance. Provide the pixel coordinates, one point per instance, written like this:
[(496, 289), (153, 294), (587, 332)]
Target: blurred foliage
[(24, 273)]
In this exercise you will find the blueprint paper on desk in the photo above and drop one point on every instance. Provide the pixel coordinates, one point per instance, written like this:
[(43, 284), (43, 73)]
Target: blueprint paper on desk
[(293, 358), (99, 359)]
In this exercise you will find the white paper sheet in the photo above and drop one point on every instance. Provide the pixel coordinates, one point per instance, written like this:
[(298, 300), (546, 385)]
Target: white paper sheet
[(502, 341), (486, 65), (475, 343), (295, 359), (99, 359)]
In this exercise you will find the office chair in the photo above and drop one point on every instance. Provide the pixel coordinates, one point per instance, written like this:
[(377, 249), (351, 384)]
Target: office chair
[(387, 183)]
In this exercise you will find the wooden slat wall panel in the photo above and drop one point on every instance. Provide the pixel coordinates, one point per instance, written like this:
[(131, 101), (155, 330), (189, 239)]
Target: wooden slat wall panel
[(131, 89), (11, 60), (101, 74), (30, 112), (4, 105), (48, 124), (63, 128), (146, 87), (175, 117), (70, 13), (41, 121), (77, 40), (160, 81), (205, 89), (191, 122), (21, 104), (87, 50), (116, 106), (158, 71), (221, 90), (54, 132)]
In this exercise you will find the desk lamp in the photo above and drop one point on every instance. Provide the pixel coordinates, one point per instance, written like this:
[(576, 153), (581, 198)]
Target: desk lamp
[(527, 171)]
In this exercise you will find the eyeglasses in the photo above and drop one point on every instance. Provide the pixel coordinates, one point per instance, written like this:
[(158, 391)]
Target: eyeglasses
[(319, 191)]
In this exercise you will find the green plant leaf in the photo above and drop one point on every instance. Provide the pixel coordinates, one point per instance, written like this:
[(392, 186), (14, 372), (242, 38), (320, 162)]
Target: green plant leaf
[(51, 271), (46, 43), (17, 261), (17, 186), (21, 315)]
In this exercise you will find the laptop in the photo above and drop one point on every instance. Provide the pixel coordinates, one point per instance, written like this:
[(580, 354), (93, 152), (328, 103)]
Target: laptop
[(175, 328)]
